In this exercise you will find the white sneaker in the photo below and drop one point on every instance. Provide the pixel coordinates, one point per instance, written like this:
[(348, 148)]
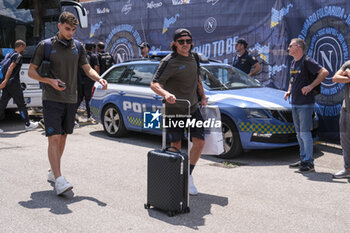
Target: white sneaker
[(62, 185), (76, 124), (41, 123), (1, 131), (192, 189), (91, 119), (32, 125), (77, 119), (51, 176)]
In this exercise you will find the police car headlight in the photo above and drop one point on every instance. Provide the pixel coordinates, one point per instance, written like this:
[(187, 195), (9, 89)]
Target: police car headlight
[(256, 113), (262, 135)]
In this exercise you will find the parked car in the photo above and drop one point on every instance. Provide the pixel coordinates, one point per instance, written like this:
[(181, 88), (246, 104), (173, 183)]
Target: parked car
[(253, 116)]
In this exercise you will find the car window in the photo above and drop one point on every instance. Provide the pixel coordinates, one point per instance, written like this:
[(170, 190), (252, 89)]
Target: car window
[(140, 75), (211, 81), (115, 75), (224, 77)]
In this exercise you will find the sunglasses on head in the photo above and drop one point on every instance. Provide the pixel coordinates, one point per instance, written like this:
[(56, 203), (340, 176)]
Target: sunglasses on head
[(188, 41)]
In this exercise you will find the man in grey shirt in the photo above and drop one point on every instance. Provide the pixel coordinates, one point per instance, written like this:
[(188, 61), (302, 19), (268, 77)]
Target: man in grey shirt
[(177, 78), (60, 91), (343, 76)]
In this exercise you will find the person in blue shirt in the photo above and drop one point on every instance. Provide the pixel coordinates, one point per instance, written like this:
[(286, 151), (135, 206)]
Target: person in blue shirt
[(303, 99)]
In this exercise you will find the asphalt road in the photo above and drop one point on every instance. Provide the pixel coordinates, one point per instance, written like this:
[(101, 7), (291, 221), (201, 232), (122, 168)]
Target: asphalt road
[(261, 194)]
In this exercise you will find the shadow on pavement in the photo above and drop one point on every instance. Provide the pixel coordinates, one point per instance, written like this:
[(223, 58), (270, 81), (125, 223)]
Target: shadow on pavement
[(200, 206), (324, 177), (56, 204), (273, 157), (133, 138)]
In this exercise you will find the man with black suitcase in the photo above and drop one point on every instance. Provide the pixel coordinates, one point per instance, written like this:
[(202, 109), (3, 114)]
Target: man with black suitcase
[(177, 78)]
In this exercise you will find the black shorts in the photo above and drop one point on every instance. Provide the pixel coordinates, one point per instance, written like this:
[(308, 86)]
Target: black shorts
[(58, 117), (176, 134)]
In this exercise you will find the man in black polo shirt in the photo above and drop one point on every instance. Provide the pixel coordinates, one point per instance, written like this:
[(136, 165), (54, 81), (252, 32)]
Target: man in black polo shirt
[(243, 60)]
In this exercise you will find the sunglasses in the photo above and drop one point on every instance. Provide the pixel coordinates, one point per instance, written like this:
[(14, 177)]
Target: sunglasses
[(188, 41)]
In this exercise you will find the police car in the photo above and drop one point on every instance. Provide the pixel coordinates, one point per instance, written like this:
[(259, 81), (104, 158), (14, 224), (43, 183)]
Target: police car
[(253, 116)]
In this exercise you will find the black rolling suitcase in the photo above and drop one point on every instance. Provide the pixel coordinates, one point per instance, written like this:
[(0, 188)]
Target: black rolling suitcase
[(167, 178)]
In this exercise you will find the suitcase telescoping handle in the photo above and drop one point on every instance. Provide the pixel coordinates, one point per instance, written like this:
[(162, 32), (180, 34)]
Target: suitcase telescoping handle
[(164, 130)]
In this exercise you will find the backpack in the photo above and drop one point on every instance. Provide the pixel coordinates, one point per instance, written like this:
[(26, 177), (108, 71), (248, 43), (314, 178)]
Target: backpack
[(311, 77), (106, 61), (5, 64), (48, 47), (44, 67)]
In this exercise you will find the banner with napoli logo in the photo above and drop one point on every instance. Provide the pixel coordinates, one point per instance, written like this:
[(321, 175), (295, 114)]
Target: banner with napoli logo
[(268, 26)]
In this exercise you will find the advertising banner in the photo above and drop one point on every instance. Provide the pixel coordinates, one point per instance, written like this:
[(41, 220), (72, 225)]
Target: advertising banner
[(268, 26)]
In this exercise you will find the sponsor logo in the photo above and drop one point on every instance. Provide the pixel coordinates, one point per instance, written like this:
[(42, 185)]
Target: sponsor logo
[(210, 25), (151, 5), (180, 2), (103, 10), (127, 7), (213, 2), (327, 38), (168, 22), (75, 51), (276, 15), (94, 27)]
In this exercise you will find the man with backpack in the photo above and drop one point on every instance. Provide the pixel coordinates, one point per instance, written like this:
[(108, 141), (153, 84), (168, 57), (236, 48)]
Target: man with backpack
[(177, 78), (306, 75), (60, 91), (11, 85), (105, 59)]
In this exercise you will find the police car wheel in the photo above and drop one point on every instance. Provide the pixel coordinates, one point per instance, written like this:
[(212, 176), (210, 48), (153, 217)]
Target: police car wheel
[(112, 121), (232, 142)]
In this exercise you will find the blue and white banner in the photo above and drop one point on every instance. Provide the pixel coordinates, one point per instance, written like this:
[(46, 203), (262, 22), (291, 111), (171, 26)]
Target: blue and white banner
[(268, 26)]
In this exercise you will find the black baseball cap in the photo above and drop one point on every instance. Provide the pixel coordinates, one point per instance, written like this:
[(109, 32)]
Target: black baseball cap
[(181, 32), (144, 44), (242, 41)]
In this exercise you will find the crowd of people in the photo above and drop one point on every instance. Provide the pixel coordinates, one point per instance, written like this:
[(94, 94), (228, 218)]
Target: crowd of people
[(74, 68)]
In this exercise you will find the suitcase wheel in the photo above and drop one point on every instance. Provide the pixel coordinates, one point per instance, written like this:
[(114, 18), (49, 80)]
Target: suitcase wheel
[(187, 210), (171, 213), (147, 206)]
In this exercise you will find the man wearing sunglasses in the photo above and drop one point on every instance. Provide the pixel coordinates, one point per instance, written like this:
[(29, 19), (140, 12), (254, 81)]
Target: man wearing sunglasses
[(303, 100), (177, 77)]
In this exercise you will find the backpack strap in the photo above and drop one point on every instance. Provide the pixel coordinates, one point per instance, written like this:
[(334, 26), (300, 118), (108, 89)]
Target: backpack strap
[(78, 45), (47, 49), (196, 56)]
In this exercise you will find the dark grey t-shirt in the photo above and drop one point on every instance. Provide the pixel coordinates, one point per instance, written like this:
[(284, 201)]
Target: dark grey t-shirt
[(346, 102), (64, 62), (178, 75)]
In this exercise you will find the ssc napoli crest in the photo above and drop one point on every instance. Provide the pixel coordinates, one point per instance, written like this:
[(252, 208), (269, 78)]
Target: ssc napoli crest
[(122, 43), (327, 35)]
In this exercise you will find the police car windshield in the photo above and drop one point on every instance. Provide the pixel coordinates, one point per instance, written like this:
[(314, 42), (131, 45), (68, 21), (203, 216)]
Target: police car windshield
[(225, 77)]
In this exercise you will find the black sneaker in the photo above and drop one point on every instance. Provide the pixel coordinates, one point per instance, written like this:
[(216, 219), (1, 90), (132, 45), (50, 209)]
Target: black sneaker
[(305, 168), (295, 165)]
